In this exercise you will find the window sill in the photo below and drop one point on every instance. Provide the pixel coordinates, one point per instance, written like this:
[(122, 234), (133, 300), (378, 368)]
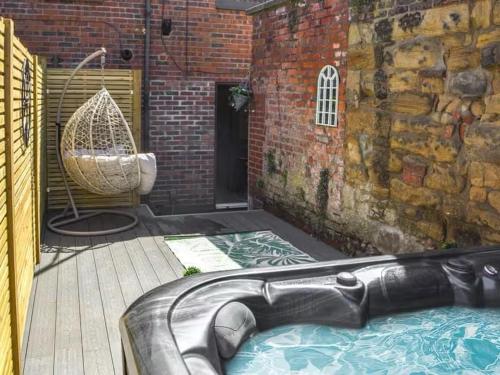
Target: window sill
[(240, 5)]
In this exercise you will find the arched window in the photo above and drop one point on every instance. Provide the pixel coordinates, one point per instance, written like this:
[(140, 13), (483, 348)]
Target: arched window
[(328, 96)]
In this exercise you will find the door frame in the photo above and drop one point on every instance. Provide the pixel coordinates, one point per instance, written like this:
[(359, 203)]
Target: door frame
[(216, 117)]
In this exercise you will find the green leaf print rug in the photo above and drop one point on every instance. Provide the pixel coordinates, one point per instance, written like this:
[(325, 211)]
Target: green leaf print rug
[(235, 250)]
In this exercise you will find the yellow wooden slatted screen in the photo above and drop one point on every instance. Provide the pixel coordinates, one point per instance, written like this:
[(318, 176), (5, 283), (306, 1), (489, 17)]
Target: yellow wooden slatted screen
[(20, 193), (6, 364), (124, 86), (22, 189), (40, 154)]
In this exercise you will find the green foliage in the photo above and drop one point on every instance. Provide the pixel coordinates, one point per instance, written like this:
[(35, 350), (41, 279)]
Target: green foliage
[(322, 192), (271, 162), (239, 96), (448, 245), (240, 90), (358, 7), (293, 19), (191, 271), (358, 4), (260, 183), (284, 178), (301, 194)]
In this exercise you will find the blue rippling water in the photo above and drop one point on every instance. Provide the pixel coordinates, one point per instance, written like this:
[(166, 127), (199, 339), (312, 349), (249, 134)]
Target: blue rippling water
[(449, 340)]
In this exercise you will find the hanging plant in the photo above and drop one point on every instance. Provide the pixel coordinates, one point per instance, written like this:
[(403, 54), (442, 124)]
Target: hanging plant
[(239, 96)]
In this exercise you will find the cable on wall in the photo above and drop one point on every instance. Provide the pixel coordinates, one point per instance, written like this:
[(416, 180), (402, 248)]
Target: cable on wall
[(186, 69)]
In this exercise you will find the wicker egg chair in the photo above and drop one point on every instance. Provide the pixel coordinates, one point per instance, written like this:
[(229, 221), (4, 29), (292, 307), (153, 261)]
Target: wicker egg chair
[(98, 149), (98, 152)]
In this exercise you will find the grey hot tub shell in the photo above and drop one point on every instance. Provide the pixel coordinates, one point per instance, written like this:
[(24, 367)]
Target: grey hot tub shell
[(191, 325)]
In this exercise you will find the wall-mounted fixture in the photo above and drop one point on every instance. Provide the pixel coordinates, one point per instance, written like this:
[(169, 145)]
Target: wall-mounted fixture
[(166, 26), (56, 61), (126, 54)]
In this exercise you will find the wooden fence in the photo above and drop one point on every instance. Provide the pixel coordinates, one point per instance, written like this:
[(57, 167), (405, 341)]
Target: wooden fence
[(21, 190), (125, 88), (30, 180)]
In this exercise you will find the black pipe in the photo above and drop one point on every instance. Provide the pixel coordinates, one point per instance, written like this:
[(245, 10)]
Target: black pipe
[(146, 85), (186, 41)]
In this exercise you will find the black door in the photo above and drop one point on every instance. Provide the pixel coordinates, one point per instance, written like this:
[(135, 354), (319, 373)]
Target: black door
[(232, 153)]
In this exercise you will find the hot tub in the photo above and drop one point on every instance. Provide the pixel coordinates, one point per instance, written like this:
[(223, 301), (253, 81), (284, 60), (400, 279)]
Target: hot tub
[(197, 324)]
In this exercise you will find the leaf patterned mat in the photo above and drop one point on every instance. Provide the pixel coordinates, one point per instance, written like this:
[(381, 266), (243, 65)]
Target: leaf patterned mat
[(235, 250)]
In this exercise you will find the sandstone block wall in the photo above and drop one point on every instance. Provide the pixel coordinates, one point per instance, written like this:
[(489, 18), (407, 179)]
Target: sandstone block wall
[(415, 162), (422, 156)]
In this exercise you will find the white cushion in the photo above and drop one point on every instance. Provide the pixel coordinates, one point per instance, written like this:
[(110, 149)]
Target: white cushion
[(147, 165)]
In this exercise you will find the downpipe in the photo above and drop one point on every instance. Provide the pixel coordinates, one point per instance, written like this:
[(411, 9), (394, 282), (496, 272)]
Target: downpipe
[(146, 73)]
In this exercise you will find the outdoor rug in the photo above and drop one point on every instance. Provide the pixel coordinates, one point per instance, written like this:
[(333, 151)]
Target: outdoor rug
[(235, 250)]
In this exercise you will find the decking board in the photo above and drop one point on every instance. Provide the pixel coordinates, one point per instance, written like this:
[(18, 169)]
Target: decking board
[(163, 269), (83, 285), (113, 302), (127, 277), (68, 340), (95, 343), (143, 267), (41, 339)]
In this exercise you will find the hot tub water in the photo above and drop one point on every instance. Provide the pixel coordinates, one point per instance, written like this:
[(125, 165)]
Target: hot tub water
[(447, 340)]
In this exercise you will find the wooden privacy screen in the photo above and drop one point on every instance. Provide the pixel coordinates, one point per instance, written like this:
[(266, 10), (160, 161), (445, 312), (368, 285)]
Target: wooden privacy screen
[(20, 192), (125, 88)]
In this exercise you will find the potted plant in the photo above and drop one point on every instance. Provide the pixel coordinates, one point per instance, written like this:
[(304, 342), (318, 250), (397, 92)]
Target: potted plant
[(239, 96)]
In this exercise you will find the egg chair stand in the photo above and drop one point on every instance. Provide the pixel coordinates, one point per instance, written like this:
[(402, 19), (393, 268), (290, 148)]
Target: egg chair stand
[(71, 214)]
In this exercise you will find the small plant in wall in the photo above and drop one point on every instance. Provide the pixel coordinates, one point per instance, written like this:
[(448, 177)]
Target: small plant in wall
[(448, 245), (272, 168), (239, 96), (360, 5), (298, 3), (284, 178), (260, 184), (322, 192)]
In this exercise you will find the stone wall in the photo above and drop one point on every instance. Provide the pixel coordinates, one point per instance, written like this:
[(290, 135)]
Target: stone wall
[(422, 162), (414, 163)]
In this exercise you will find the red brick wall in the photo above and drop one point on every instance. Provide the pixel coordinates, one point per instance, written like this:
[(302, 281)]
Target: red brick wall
[(290, 46), (182, 113)]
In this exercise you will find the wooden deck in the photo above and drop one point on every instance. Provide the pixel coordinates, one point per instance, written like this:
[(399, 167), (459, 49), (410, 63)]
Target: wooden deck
[(83, 285)]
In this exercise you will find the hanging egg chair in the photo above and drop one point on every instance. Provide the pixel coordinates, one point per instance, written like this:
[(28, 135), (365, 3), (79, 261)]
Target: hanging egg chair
[(97, 151), (97, 148)]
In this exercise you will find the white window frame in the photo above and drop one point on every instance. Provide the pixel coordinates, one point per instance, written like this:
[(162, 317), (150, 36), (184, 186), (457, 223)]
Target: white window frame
[(327, 100)]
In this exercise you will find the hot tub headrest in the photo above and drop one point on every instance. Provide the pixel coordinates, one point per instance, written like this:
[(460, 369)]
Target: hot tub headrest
[(233, 324)]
